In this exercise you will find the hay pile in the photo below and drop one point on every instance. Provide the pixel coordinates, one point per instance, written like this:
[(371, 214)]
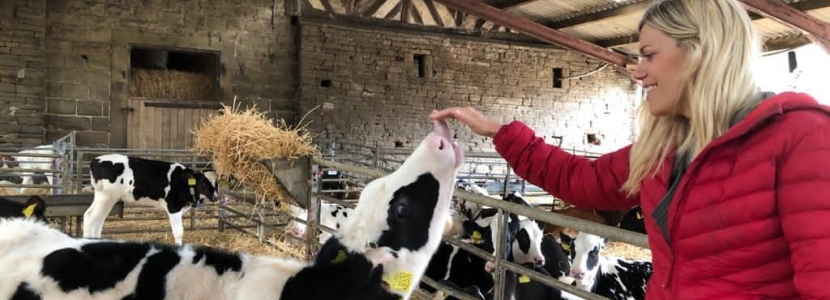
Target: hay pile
[(238, 142), (170, 84)]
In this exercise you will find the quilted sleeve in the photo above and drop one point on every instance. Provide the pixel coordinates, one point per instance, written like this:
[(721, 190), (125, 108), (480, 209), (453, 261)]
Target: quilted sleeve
[(575, 179), (803, 199)]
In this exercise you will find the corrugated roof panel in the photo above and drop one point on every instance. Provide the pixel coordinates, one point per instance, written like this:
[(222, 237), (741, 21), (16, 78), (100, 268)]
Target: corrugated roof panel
[(544, 10)]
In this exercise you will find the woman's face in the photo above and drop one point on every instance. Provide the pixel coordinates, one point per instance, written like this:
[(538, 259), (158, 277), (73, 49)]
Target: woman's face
[(658, 70)]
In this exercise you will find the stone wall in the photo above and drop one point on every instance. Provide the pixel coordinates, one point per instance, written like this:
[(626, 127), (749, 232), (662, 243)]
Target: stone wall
[(87, 57), (367, 86), (22, 72)]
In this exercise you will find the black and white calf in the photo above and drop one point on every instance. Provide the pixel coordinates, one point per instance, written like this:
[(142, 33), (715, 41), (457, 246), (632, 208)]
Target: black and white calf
[(170, 187), (34, 207), (380, 253), (611, 277), (332, 215)]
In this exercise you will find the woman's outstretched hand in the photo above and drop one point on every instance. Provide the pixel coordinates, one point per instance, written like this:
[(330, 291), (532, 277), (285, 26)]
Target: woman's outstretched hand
[(478, 123)]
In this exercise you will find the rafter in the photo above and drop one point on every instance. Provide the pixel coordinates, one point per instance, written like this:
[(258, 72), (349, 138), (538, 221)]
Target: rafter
[(819, 31), (415, 11), (327, 6), (371, 9), (434, 13), (805, 6), (541, 32), (394, 11)]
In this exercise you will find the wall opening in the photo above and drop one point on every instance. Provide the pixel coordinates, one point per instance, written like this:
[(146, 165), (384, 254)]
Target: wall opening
[(174, 74), (325, 83), (421, 64), (557, 78)]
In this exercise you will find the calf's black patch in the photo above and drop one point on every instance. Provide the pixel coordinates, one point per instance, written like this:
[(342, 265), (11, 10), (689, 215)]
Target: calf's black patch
[(96, 266), (23, 292), (152, 281), (106, 170), (219, 260), (410, 213), (337, 274)]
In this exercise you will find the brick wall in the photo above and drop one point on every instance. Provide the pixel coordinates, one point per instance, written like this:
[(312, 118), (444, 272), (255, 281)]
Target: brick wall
[(87, 57), (375, 97), (22, 72)]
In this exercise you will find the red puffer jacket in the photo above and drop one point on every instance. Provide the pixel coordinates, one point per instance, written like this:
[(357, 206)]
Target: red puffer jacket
[(750, 218)]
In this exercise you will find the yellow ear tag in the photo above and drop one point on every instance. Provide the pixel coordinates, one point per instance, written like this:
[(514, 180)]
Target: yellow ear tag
[(29, 210), (639, 215), (566, 247), (524, 279), (284, 207), (341, 256), (476, 236), (400, 281), (191, 181)]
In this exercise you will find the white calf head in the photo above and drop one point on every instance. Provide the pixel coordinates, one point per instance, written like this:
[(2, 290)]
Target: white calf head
[(403, 214), (587, 260), (527, 247), (295, 227)]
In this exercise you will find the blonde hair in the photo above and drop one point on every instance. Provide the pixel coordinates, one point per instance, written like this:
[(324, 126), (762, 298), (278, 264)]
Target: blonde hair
[(721, 44)]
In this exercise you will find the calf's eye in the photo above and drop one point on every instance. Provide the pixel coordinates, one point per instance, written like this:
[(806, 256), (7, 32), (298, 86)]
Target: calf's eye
[(401, 211)]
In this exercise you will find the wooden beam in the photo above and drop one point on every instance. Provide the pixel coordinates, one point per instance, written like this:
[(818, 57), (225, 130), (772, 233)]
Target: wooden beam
[(371, 9), (786, 43), (599, 16), (434, 13), (405, 6), (540, 31), (806, 5), (818, 31), (415, 11)]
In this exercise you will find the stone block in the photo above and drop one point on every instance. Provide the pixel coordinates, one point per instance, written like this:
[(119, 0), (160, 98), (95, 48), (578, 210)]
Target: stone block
[(90, 108), (100, 124), (75, 91), (75, 123), (60, 106), (98, 139)]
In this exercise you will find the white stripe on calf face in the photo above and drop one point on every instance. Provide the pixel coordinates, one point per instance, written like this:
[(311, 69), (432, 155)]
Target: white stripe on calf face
[(527, 247)]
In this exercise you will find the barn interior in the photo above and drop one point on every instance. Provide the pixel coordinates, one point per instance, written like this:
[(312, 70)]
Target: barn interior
[(361, 76)]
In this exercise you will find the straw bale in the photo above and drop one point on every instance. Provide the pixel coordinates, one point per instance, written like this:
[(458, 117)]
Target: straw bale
[(239, 141), (620, 249), (170, 84)]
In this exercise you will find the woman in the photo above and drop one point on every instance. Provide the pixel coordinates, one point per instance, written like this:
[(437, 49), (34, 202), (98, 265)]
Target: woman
[(734, 183)]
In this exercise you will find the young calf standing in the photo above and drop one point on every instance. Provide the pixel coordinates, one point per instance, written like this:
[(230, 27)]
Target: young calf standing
[(610, 277), (380, 253), (170, 187)]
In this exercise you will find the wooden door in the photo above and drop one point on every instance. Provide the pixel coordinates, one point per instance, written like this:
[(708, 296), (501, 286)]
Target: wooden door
[(155, 124)]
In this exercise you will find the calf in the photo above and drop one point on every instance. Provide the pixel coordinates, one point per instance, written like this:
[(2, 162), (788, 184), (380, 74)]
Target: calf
[(380, 253), (34, 208), (332, 215), (610, 277), (36, 162), (170, 187)]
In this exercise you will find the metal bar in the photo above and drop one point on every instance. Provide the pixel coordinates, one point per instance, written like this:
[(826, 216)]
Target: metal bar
[(613, 233), (14, 170), (501, 243), (448, 291), (18, 154), (522, 270)]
